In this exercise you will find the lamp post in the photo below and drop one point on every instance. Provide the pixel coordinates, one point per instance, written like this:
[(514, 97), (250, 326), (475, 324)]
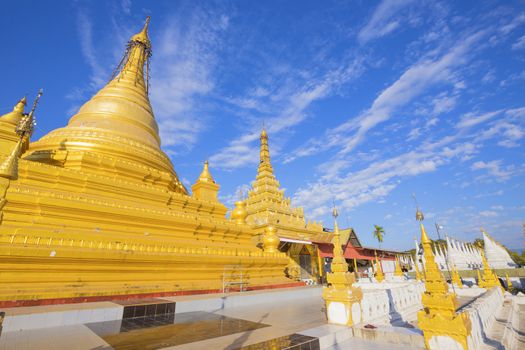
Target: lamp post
[(440, 227)]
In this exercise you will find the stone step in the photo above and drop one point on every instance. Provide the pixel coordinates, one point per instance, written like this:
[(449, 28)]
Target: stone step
[(409, 337), (329, 335)]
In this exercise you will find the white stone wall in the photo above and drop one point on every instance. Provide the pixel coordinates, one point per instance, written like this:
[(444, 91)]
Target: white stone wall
[(511, 337), (463, 255), (497, 256), (482, 313), (390, 302), (389, 266)]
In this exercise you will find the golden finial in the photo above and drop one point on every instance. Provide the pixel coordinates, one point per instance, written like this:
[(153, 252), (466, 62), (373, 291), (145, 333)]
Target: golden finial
[(27, 122), (264, 134), (205, 176), (335, 213), (419, 214), (142, 36), (19, 108), (17, 113)]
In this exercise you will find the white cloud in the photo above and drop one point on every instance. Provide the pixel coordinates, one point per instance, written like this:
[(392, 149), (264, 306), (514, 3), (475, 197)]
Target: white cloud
[(470, 119), (85, 30), (444, 103), (519, 44), (413, 82), (507, 128), (126, 6), (382, 22), (516, 21), (185, 59), (378, 179), (488, 213), (285, 108), (229, 200), (494, 169), (489, 194)]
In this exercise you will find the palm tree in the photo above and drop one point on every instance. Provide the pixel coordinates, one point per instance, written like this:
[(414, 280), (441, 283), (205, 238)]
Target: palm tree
[(379, 232)]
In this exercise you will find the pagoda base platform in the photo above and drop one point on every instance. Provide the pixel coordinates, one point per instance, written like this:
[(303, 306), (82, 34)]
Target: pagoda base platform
[(57, 301)]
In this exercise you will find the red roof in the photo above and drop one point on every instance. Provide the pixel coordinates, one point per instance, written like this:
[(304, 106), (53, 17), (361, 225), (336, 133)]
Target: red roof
[(326, 249)]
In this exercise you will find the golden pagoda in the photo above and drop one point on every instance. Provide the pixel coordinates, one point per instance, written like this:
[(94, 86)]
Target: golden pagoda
[(380, 276), (455, 278), (489, 279), (418, 274), (398, 272), (96, 210), (509, 282), (266, 206), (439, 317)]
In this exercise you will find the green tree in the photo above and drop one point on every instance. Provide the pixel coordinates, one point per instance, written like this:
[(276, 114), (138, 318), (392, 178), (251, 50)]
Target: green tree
[(479, 242), (379, 233), (518, 259)]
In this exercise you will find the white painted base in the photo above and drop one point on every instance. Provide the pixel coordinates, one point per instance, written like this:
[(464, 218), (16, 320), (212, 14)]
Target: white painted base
[(441, 342), (338, 313)]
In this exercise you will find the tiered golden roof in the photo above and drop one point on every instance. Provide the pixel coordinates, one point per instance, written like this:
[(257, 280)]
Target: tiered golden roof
[(266, 202)]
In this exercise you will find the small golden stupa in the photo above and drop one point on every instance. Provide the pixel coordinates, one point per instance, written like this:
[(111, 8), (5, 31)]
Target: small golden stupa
[(439, 316)]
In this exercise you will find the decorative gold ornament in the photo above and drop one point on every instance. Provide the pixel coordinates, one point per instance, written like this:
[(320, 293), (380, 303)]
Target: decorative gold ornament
[(239, 213), (270, 240)]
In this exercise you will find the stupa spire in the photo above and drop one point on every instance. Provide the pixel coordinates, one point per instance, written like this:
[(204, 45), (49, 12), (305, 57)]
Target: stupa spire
[(265, 165), (24, 130), (205, 187), (205, 176), (17, 113), (117, 125), (137, 55)]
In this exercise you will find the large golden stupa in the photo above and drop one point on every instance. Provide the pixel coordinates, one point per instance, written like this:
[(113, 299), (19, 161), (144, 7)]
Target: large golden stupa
[(95, 210)]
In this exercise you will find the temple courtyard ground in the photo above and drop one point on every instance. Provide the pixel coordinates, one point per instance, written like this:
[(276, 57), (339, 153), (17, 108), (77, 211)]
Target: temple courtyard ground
[(281, 319)]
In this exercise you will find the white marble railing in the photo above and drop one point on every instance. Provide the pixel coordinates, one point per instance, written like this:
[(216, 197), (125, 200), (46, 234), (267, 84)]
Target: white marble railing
[(511, 337), (388, 303), (482, 314)]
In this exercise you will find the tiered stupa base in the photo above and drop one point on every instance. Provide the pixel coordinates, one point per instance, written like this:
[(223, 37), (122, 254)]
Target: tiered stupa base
[(72, 238)]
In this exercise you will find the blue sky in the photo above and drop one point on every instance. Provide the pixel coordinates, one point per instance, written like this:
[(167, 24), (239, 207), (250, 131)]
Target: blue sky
[(365, 102)]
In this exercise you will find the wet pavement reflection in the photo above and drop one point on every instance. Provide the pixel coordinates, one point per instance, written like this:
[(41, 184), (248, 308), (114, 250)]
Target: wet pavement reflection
[(150, 333)]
